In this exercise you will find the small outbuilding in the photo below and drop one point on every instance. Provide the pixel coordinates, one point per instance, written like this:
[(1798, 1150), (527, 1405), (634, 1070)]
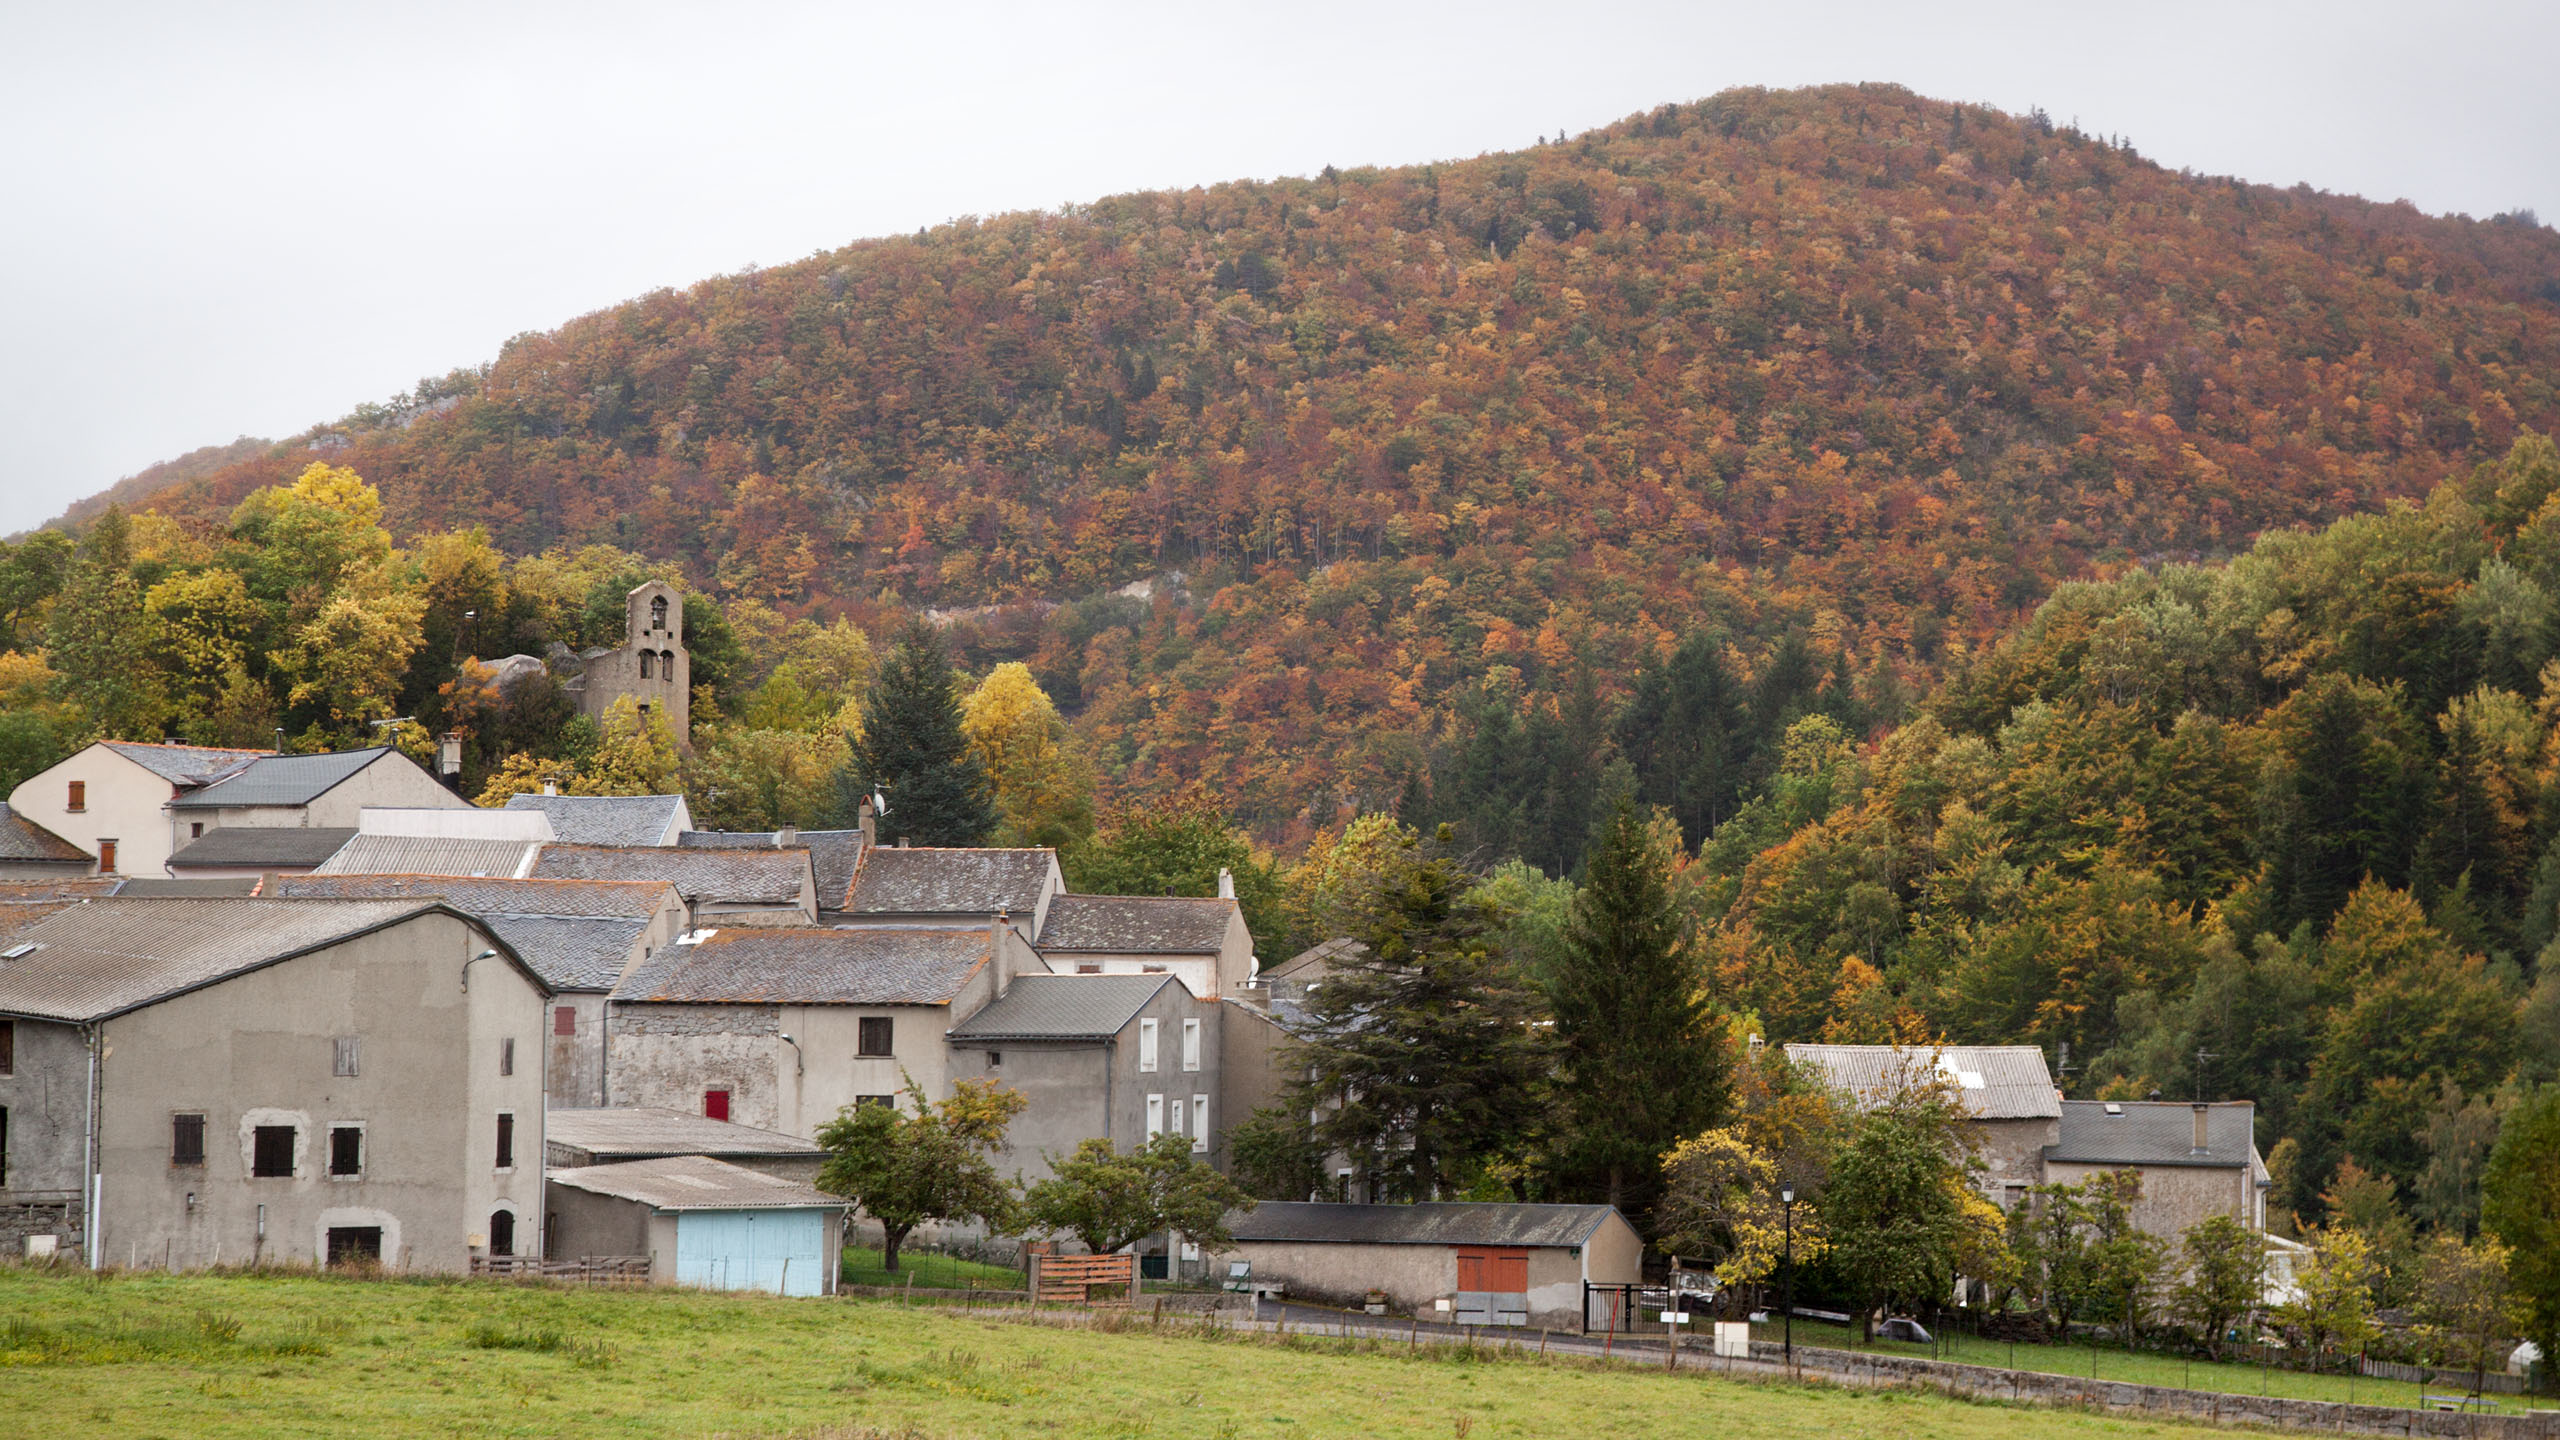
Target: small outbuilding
[(574, 1139), (702, 1222), (1495, 1263)]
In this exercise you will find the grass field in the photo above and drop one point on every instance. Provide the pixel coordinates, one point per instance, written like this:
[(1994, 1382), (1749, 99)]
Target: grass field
[(234, 1356), (932, 1271), (2143, 1369)]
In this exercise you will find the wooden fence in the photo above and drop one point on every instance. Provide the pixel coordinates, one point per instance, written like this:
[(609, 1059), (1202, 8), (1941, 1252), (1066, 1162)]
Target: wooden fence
[(586, 1270), (1076, 1278)]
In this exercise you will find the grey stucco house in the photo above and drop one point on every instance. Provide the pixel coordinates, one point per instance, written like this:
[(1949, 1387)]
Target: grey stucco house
[(1115, 1057), (202, 1081)]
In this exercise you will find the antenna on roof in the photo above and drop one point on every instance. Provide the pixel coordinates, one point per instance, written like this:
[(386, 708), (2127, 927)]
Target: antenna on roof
[(2202, 1055)]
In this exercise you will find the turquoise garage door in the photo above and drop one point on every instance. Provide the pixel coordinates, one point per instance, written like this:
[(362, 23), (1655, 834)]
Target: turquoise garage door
[(780, 1251)]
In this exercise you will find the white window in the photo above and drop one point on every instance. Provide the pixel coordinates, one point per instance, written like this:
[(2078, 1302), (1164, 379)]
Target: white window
[(1178, 1127), (1199, 1124), (1147, 1048), (1190, 1044), (1155, 1116)]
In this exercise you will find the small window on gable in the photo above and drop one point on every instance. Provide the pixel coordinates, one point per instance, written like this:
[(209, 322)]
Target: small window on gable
[(1088, 967), (507, 1056), (995, 1059), (1150, 969), (79, 797), (106, 857), (346, 1150), (186, 1139), (347, 1057), (658, 612), (564, 1020), (875, 1035), (195, 829)]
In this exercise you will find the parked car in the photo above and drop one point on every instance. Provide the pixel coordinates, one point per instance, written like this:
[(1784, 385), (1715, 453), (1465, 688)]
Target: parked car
[(1903, 1328)]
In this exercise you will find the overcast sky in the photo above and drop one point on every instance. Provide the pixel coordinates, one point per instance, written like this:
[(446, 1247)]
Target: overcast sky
[(245, 219)]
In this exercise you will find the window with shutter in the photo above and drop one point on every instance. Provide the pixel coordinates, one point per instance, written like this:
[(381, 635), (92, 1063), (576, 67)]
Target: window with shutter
[(1190, 1044), (564, 1020), (1155, 1116), (186, 1139), (79, 797), (506, 1142), (107, 857), (346, 1150), (8, 1047), (271, 1152), (715, 1104), (507, 1056), (344, 1062), (1147, 1046), (1199, 1124), (875, 1035)]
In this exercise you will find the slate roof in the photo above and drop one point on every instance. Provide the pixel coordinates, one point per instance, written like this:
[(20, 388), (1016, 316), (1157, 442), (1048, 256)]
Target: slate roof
[(186, 764), (1063, 1007), (22, 839), (2155, 1132), (833, 854), (282, 779), (68, 887), (759, 965), (2002, 1082), (930, 881), (646, 1133), (695, 1182), (106, 957), (770, 876), (1136, 924), (629, 899), (571, 952), (1316, 961), (605, 819), (155, 887), (431, 855), (1442, 1222), (275, 847)]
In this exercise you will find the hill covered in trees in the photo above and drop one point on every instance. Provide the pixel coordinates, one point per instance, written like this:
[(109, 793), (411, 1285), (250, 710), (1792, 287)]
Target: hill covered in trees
[(1846, 377)]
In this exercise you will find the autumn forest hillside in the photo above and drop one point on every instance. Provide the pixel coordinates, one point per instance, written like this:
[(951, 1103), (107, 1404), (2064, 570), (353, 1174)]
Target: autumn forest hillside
[(1842, 376)]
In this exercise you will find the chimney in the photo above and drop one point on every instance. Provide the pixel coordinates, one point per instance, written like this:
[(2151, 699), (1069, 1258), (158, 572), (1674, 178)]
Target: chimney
[(449, 759), (2201, 1110), (999, 946), (869, 824), (902, 842), (1226, 883), (550, 786), (786, 837)]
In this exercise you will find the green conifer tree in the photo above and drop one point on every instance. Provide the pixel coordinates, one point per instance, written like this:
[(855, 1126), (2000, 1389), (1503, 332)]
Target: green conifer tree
[(1640, 1064), (913, 753)]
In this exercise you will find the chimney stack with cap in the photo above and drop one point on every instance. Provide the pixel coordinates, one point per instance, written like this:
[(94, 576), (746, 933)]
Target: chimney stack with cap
[(869, 824), (2202, 1110), (786, 837), (1226, 883)]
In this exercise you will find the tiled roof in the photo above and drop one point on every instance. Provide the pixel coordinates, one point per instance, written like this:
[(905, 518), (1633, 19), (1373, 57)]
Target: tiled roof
[(22, 839), (1444, 1222), (766, 876), (571, 952), (282, 779), (2155, 1132), (950, 882), (629, 899), (833, 854), (431, 855), (108, 956), (18, 914), (274, 846), (186, 764), (695, 1182), (639, 1133), (757, 965), (605, 819), (1136, 924), (2001, 1082), (1063, 1007)]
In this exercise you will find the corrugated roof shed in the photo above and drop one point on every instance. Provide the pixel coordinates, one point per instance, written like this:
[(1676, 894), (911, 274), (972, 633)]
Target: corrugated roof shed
[(647, 1132), (755, 965), (2002, 1082), (431, 855), (186, 764), (607, 819), (105, 957), (283, 779), (750, 876), (695, 1182), (273, 846), (2155, 1132), (1444, 1222), (571, 952), (927, 881), (630, 899), (1063, 1007), (22, 839), (1136, 924)]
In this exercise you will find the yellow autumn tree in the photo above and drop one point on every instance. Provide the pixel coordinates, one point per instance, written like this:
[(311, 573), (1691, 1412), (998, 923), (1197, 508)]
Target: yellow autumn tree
[(1043, 787)]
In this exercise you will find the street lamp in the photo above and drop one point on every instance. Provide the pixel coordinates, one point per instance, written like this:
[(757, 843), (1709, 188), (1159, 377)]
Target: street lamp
[(1787, 1205)]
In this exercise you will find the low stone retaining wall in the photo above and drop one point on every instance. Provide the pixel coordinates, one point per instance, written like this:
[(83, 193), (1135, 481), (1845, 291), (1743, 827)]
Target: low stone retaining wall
[(2031, 1387)]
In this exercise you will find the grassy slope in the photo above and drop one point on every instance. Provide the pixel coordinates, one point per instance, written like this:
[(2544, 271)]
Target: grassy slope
[(132, 1357), (932, 1270)]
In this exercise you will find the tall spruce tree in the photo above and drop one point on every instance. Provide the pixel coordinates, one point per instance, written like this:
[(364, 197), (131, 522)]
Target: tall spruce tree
[(1688, 732), (913, 752), (1640, 1064), (1424, 1060)]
